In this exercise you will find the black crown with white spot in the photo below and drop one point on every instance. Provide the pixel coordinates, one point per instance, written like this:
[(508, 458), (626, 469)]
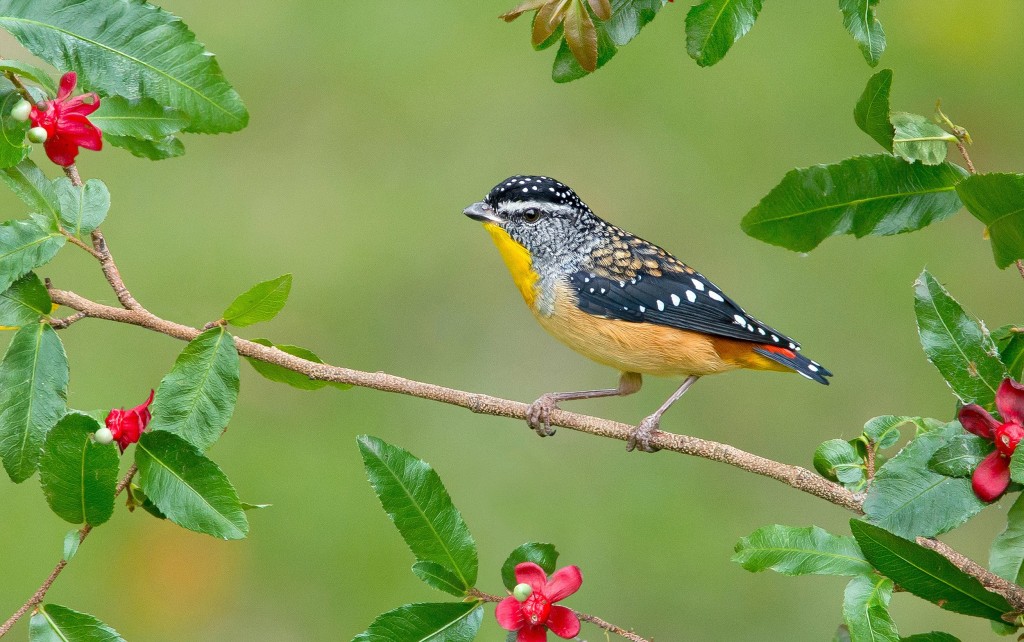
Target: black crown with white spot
[(534, 188)]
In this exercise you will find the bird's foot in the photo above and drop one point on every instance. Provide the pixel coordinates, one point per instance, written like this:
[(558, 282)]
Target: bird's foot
[(641, 435), (538, 415)]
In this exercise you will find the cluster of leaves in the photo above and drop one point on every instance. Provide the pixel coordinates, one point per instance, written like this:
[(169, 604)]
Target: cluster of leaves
[(590, 32), (417, 502)]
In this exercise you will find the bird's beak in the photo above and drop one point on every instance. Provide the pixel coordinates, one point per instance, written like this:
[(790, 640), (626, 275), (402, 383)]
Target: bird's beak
[(481, 212)]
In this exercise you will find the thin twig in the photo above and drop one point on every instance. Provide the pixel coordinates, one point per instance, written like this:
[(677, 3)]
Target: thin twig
[(60, 324), (110, 271), (20, 86), (593, 619), (71, 171), (37, 597), (1013, 593), (74, 240)]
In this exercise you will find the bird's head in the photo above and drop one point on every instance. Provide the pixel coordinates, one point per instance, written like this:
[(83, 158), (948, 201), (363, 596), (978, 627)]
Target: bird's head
[(540, 214)]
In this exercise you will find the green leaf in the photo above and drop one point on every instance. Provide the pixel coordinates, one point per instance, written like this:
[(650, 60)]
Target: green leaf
[(77, 474), (927, 574), (439, 577), (197, 397), (908, 499), (884, 430), (188, 488), (142, 118), (14, 146), (281, 374), (29, 183), (919, 139), (960, 456), (800, 551), (24, 302), (1010, 341), (259, 303), (1017, 467), (33, 73), (250, 506), (956, 344), (995, 200), (934, 636), (55, 623), (838, 460), (543, 555), (416, 501), (866, 610), (71, 543), (33, 396), (865, 195), (1006, 557), (628, 18), (131, 49), (26, 245), (860, 20), (82, 209), (426, 622), (162, 149), (872, 110), (713, 26)]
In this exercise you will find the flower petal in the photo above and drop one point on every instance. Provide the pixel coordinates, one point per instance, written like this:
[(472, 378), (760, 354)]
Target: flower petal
[(530, 573), (563, 583), (61, 150), (563, 622), (78, 128), (976, 419), (533, 633), (77, 105), (991, 477), (1010, 401), (510, 614), (67, 85)]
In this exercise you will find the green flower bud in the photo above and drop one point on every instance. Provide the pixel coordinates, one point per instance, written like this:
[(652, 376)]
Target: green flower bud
[(21, 110), (104, 436), (522, 592), (37, 135)]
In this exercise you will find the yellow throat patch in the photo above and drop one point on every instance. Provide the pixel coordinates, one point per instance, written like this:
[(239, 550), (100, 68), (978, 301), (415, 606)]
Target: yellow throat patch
[(517, 259)]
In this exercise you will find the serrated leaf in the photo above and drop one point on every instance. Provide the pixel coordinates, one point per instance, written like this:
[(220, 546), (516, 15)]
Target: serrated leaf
[(71, 543), (416, 501), (25, 302), (439, 577), (142, 118), (956, 344), (281, 374), (131, 49), (960, 456), (162, 149), (77, 474), (875, 195), (927, 574), (426, 622), (33, 396), (581, 35), (995, 200), (259, 303), (543, 555), (29, 183), (910, 500), (13, 145), (1010, 341), (713, 26), (884, 430), (628, 18), (872, 110), (26, 245), (188, 488), (197, 397), (82, 209), (1006, 556), (55, 623), (866, 610), (860, 20), (838, 460), (919, 139), (800, 551), (31, 72)]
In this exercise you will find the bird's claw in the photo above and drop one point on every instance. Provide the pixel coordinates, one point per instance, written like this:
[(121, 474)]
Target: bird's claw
[(641, 435), (538, 415)]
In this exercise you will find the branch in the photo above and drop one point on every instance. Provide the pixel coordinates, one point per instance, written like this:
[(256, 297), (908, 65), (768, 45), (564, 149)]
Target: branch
[(593, 619), (1013, 593)]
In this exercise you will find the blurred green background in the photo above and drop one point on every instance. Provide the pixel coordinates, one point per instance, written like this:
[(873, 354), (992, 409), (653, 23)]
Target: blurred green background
[(373, 125)]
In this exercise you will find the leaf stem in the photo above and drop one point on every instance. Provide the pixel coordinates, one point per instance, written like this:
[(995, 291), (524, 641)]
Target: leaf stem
[(20, 86)]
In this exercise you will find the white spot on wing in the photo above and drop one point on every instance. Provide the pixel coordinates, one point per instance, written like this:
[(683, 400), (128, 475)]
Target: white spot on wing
[(738, 318), (691, 296), (697, 284), (661, 305), (716, 296), (675, 299)]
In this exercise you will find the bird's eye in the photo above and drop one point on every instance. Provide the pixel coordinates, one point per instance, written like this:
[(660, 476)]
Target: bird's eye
[(531, 215)]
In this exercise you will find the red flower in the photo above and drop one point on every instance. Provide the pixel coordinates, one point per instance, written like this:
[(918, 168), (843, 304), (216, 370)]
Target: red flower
[(65, 122), (992, 475), (534, 616), (127, 425)]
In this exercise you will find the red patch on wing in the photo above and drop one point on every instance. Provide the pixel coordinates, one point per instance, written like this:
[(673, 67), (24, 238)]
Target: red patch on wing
[(789, 354)]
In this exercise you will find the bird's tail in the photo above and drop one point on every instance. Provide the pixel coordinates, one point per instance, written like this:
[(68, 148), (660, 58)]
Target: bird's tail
[(796, 362)]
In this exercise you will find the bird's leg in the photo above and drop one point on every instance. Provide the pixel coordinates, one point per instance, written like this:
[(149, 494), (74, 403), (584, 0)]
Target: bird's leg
[(642, 434), (538, 415)]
